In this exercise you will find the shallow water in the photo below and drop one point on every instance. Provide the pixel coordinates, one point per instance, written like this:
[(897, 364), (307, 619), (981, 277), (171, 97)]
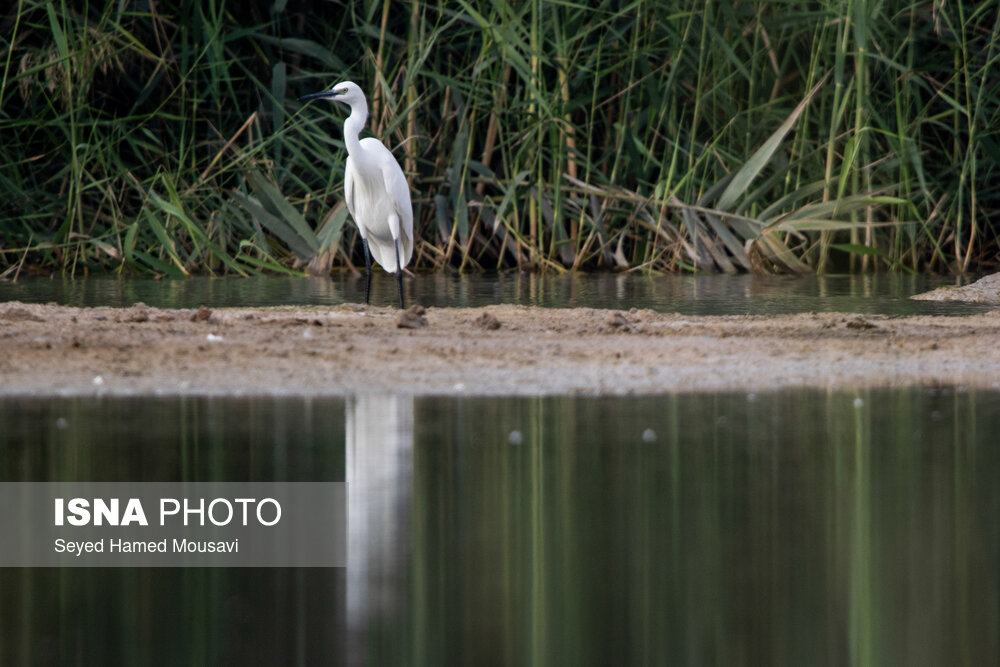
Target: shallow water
[(786, 528), (692, 295)]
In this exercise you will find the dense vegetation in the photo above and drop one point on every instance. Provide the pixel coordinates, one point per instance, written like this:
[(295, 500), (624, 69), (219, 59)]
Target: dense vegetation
[(166, 137)]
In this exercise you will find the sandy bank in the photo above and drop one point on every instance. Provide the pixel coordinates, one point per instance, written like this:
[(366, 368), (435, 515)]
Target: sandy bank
[(53, 350)]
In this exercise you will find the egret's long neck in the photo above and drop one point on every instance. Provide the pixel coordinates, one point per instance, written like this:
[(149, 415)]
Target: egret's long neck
[(353, 126)]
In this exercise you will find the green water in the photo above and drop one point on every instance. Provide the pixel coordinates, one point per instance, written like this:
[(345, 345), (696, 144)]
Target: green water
[(787, 528), (886, 294)]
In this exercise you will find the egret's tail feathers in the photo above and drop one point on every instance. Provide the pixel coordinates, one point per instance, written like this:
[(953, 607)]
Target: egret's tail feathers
[(385, 253)]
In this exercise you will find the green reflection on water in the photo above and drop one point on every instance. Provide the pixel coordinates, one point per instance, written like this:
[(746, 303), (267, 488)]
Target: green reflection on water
[(191, 616), (792, 529), (784, 528), (171, 439)]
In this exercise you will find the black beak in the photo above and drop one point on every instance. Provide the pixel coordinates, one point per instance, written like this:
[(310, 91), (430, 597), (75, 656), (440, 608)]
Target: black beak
[(318, 96)]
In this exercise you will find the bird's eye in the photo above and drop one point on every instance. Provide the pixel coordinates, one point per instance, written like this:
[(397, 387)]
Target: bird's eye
[(341, 91)]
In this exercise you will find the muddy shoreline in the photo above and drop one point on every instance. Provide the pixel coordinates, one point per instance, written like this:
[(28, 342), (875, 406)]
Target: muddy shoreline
[(50, 350)]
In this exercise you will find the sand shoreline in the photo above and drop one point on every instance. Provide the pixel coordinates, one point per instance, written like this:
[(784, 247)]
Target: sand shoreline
[(50, 350)]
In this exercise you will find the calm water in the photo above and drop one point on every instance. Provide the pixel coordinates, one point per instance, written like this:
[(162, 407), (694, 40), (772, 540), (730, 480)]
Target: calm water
[(789, 528), (692, 295)]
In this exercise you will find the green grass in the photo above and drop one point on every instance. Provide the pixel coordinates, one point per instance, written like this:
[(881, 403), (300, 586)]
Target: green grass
[(658, 136)]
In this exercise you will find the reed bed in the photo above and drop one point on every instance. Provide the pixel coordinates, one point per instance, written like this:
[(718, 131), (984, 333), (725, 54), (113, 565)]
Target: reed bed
[(661, 135)]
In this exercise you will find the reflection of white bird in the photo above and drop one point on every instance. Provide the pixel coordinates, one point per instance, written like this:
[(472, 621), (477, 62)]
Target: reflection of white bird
[(379, 457), (375, 189)]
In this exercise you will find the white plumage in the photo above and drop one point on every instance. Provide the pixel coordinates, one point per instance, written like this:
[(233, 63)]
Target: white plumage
[(375, 189)]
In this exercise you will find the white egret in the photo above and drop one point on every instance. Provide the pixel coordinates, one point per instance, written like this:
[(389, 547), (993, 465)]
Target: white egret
[(375, 190)]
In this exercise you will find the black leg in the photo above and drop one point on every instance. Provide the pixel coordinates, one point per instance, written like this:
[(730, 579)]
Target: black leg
[(399, 276), (368, 272)]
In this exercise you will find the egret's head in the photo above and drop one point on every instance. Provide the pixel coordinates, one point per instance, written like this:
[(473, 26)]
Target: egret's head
[(347, 92)]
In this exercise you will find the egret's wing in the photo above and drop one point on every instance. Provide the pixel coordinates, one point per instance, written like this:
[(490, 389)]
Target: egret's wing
[(349, 186), (399, 191)]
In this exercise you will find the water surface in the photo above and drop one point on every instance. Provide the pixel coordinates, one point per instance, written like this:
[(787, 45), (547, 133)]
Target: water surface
[(784, 528), (692, 295)]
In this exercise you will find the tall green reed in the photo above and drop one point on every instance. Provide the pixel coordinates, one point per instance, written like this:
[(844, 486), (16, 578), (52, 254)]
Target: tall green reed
[(647, 135)]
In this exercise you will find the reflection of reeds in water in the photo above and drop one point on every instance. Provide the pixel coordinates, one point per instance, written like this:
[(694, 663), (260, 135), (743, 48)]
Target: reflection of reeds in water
[(791, 528), (782, 529), (379, 444), (173, 616), (554, 135)]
